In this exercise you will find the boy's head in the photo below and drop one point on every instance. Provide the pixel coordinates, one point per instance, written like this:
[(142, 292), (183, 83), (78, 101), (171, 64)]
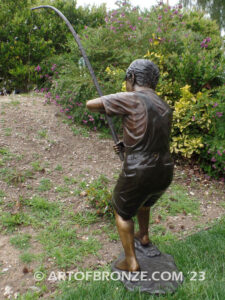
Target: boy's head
[(142, 72)]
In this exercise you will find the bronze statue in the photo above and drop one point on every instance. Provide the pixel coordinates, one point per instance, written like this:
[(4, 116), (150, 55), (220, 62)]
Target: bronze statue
[(148, 167)]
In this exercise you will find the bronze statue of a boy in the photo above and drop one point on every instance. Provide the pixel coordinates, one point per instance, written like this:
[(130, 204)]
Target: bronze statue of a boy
[(148, 167)]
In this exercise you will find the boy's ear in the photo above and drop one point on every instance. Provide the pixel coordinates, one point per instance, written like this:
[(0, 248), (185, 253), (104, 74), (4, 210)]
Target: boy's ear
[(132, 80)]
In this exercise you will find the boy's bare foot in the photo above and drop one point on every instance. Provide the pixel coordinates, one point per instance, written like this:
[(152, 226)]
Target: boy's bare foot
[(124, 265), (149, 249), (144, 239)]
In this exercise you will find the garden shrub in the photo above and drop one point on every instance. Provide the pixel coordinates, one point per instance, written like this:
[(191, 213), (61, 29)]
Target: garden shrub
[(29, 37)]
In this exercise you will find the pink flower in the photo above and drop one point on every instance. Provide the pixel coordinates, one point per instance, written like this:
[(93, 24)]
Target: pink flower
[(213, 159), (69, 117), (219, 153), (53, 67), (38, 68), (84, 121), (159, 17), (132, 27), (219, 114), (193, 118), (215, 104)]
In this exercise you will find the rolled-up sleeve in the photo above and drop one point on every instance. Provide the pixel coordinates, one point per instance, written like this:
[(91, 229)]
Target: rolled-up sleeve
[(119, 103)]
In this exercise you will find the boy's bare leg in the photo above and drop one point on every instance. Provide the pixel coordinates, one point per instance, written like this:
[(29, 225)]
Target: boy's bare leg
[(126, 232), (143, 221)]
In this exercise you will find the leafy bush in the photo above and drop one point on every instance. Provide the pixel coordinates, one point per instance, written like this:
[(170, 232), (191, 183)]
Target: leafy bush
[(100, 197), (29, 37)]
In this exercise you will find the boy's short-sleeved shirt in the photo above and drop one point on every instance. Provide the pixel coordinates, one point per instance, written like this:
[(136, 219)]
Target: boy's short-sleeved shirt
[(134, 114), (148, 167)]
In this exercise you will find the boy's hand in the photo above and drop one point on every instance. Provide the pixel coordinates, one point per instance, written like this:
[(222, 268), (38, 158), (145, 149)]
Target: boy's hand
[(119, 147)]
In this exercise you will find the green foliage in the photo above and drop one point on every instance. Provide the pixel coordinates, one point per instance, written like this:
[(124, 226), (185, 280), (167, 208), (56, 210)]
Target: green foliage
[(85, 218), (27, 37), (45, 185), (185, 45), (10, 221), (100, 197), (177, 201), (62, 243), (21, 241)]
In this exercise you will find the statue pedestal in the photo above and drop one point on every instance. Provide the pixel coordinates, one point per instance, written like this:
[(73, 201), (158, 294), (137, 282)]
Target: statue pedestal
[(159, 274)]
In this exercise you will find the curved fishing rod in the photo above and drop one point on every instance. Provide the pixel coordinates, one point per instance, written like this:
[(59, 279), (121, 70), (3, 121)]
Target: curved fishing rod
[(77, 39)]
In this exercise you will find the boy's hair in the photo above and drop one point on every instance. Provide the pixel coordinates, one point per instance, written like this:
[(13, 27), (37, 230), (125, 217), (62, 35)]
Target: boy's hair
[(146, 73)]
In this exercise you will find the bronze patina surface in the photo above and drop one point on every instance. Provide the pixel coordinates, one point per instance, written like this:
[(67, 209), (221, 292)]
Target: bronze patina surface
[(148, 167), (158, 276)]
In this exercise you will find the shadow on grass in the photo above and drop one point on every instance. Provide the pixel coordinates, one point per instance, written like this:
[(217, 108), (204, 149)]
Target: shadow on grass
[(201, 252)]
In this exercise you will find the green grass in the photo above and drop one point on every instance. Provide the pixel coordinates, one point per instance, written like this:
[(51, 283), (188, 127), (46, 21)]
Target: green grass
[(27, 257), (70, 180), (45, 185), (6, 155), (42, 133), (2, 195), (62, 190), (80, 131), (10, 221), (110, 230), (15, 102), (177, 200), (58, 168), (61, 242), (14, 177), (29, 296), (42, 209), (84, 218), (21, 241), (8, 131), (201, 252), (37, 166)]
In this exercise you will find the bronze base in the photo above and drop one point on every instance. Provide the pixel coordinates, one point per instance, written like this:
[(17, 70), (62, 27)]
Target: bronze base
[(159, 274)]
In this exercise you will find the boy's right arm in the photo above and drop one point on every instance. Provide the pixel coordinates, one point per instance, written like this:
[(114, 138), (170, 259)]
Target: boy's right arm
[(95, 105)]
